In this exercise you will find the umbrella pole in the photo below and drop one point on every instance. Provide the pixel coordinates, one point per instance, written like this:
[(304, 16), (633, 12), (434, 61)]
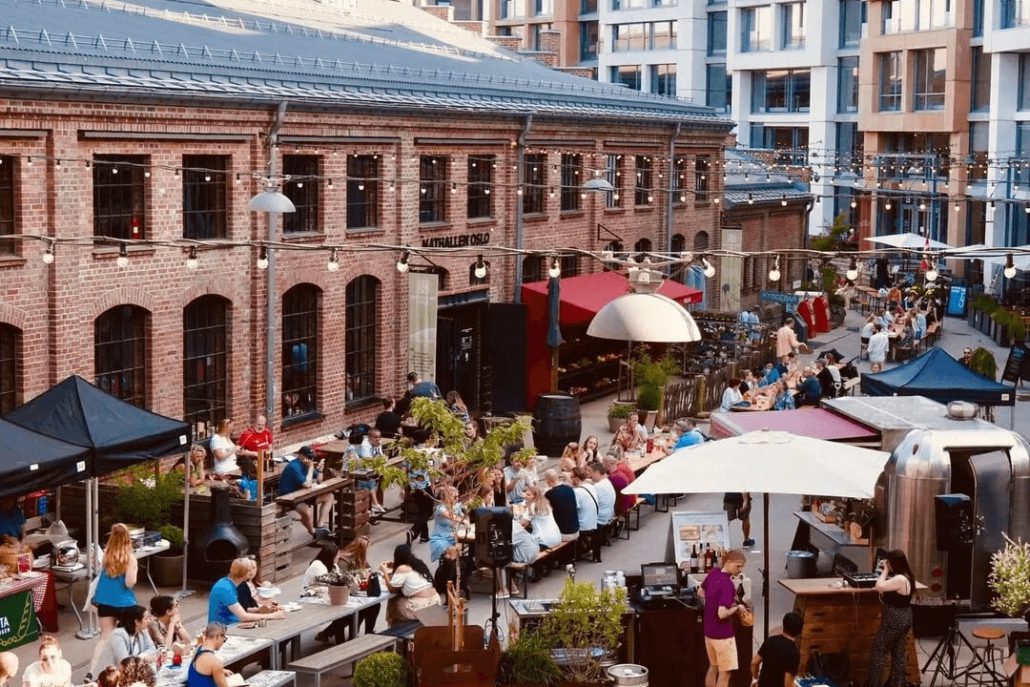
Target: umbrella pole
[(554, 370), (765, 562), (183, 593)]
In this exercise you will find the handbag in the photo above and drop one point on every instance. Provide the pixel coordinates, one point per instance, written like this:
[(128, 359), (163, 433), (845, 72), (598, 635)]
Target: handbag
[(374, 588)]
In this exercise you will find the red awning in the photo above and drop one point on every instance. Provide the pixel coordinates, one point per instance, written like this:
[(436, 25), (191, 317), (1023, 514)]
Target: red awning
[(583, 297), (817, 423)]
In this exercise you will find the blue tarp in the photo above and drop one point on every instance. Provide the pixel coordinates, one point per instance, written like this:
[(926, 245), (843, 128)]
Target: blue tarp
[(938, 376), (31, 461)]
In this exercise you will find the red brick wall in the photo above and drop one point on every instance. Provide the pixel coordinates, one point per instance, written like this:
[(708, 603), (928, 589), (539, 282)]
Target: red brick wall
[(513, 43), (768, 228), (439, 11), (55, 306)]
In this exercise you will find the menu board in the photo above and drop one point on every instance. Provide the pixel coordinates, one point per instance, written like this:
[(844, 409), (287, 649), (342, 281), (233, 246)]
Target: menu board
[(690, 528), (1017, 365)]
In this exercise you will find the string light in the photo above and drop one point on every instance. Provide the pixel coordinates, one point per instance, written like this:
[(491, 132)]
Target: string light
[(852, 273), (402, 264), (48, 254), (123, 255), (783, 200), (709, 268), (334, 263), (1010, 267), (480, 270), (262, 261), (774, 273), (931, 272), (555, 271), (191, 262)]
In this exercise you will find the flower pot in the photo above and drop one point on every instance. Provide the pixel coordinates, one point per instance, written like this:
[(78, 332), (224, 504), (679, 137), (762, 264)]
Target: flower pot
[(614, 423), (338, 594), (166, 569)]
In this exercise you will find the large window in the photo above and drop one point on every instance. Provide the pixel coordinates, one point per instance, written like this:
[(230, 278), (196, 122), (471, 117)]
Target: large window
[(362, 337), (613, 173), (628, 75), (7, 215), (717, 33), (10, 342), (918, 15), (780, 90), (120, 353), (663, 35), (793, 23), (890, 81), (534, 181), (663, 79), (205, 373), (935, 14), (432, 175), (362, 191), (702, 170), (790, 141), (119, 196), (847, 84), (849, 142), (981, 96), (302, 189), (626, 37), (300, 350), (588, 35), (643, 193), (718, 87), (852, 16), (930, 66), (978, 18), (979, 144), (204, 191), (1024, 81), (571, 164), (756, 29), (480, 186)]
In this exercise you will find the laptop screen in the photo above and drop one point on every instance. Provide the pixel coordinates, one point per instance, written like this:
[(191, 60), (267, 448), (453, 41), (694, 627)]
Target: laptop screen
[(654, 574)]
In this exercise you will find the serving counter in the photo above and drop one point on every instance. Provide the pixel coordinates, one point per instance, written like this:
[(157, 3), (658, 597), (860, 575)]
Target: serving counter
[(839, 618)]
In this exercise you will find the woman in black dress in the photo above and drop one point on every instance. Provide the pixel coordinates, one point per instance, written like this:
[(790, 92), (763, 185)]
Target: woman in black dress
[(896, 584)]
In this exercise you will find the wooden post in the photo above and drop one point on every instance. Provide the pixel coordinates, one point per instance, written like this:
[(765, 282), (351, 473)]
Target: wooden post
[(554, 370), (262, 457)]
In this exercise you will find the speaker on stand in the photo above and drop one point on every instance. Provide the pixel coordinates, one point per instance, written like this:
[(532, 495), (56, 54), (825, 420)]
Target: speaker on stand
[(493, 550), (955, 530)]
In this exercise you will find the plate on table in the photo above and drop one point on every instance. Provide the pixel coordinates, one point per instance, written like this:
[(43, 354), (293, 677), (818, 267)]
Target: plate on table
[(290, 606)]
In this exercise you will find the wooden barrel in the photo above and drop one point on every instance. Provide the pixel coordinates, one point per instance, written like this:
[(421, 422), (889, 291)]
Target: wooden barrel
[(556, 422)]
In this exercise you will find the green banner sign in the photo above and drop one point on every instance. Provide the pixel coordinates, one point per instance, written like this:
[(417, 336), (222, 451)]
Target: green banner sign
[(17, 621)]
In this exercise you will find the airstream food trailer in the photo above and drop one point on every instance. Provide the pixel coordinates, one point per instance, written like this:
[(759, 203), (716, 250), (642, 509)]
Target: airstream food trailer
[(934, 453)]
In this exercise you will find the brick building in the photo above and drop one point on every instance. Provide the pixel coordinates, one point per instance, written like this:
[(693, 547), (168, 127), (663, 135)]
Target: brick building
[(133, 140)]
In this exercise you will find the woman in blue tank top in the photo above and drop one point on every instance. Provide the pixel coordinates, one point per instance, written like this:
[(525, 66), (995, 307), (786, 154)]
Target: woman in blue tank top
[(206, 669), (114, 594)]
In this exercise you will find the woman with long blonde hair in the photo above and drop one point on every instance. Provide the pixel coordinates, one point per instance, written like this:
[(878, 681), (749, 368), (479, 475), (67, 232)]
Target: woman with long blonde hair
[(118, 574)]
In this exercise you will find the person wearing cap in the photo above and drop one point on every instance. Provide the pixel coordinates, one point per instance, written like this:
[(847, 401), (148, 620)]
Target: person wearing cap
[(302, 473)]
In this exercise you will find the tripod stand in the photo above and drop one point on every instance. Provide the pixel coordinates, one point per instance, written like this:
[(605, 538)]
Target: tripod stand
[(945, 655)]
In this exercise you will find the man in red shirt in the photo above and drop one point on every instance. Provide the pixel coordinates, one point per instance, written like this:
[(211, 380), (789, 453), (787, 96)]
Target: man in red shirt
[(258, 437)]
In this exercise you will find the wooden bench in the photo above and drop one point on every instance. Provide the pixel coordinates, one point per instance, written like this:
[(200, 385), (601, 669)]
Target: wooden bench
[(848, 388), (629, 516), (341, 655), (520, 571)]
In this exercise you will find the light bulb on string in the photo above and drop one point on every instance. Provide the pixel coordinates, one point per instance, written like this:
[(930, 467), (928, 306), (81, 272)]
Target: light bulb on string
[(480, 270), (262, 261), (555, 270), (783, 200), (852, 273), (931, 272), (334, 262), (1010, 267), (123, 255), (191, 262), (887, 205), (709, 268), (402, 264), (48, 254), (774, 273)]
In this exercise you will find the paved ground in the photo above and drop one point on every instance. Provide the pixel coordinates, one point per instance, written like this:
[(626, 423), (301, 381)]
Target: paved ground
[(646, 545)]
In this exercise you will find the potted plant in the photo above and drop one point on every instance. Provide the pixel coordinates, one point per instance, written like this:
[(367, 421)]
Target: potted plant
[(528, 661), (618, 411), (338, 583), (584, 627), (1010, 579), (166, 566), (652, 376), (382, 669), (983, 363), (145, 498)]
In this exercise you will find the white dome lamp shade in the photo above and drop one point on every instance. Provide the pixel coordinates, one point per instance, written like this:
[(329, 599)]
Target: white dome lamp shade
[(271, 201), (644, 315)]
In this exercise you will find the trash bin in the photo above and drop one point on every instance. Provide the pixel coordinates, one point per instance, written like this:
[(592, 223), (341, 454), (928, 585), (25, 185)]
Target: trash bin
[(800, 564)]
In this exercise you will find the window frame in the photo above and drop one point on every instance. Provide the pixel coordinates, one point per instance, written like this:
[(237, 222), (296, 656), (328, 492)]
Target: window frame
[(301, 324), (361, 337), (788, 38), (8, 207), (751, 23), (791, 78), (1023, 96), (665, 79), (207, 321), (980, 88), (643, 171), (571, 181), (534, 173), (847, 65), (890, 87), (304, 189), (363, 192), (637, 71), (479, 199), (613, 166), (10, 367), (433, 173), (713, 32), (702, 174), (112, 190), (923, 70), (134, 348), (205, 182)]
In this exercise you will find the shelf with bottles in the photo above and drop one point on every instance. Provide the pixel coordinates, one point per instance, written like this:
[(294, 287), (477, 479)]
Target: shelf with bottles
[(604, 367)]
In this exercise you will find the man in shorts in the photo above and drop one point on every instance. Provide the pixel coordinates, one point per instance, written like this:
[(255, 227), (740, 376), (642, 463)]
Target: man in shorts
[(719, 595), (738, 505)]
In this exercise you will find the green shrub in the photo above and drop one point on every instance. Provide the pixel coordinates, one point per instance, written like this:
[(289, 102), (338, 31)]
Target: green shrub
[(175, 536), (383, 669), (620, 411), (528, 661), (983, 363)]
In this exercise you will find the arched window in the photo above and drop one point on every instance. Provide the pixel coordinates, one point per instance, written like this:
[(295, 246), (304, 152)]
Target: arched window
[(120, 353), (301, 307), (362, 337), (10, 345), (640, 247), (205, 376), (701, 241)]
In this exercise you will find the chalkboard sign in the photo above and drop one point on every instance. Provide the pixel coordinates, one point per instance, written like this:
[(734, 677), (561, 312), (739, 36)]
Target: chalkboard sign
[(1017, 365)]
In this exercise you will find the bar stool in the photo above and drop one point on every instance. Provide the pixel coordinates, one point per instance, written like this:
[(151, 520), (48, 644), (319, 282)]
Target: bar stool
[(984, 666)]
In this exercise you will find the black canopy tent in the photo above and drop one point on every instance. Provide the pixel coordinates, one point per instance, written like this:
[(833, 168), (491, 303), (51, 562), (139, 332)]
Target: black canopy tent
[(31, 461), (119, 434), (938, 376)]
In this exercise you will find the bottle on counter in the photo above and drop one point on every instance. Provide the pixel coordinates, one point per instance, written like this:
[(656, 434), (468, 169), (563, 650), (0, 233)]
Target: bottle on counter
[(707, 565), (715, 559), (693, 558)]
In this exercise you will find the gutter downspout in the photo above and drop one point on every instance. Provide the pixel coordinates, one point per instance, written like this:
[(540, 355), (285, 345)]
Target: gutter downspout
[(668, 194), (270, 288), (520, 160)]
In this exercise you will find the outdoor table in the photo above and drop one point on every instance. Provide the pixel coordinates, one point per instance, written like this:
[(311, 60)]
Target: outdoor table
[(237, 648), (68, 578), (147, 551), (316, 612), (333, 484), (839, 618), (639, 461), (19, 597)]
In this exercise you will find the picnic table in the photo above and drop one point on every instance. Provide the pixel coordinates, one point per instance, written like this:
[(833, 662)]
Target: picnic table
[(237, 648)]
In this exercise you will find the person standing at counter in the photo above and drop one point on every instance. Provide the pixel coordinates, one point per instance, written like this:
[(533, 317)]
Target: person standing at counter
[(778, 658), (12, 519), (896, 584), (719, 596)]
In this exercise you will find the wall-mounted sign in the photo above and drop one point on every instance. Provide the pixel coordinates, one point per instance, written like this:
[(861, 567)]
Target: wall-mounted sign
[(788, 299), (460, 241)]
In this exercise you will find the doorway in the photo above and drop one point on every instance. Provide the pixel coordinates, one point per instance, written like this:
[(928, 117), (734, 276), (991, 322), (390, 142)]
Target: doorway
[(459, 346)]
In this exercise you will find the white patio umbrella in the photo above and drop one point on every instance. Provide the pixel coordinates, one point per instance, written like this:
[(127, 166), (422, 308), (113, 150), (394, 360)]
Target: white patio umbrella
[(907, 240), (765, 462), (1020, 258)]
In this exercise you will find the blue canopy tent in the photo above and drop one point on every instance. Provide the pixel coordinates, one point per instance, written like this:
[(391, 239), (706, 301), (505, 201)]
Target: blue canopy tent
[(31, 461), (938, 376)]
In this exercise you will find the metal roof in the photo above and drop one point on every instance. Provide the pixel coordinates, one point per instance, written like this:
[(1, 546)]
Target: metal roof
[(373, 53)]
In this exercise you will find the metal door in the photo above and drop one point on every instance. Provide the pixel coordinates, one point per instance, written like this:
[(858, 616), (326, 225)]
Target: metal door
[(991, 477)]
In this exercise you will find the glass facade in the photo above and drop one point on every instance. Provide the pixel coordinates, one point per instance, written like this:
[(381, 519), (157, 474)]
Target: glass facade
[(717, 33), (847, 84), (780, 90), (792, 20), (756, 29), (890, 81), (930, 66)]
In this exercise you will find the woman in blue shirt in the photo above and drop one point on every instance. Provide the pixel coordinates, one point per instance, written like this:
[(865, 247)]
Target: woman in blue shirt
[(224, 605), (114, 595)]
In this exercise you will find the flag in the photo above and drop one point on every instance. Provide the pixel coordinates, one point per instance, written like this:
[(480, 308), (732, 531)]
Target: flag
[(924, 264)]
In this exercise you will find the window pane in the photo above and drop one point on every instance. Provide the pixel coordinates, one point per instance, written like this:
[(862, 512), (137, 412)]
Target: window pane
[(570, 181), (847, 84), (890, 82), (643, 194), (663, 80), (978, 18), (627, 75), (119, 202), (362, 191), (362, 329), (10, 343), (120, 353), (719, 85), (300, 350), (929, 76), (613, 173), (793, 26), (7, 246), (204, 192), (534, 183), (432, 206), (205, 387), (981, 96), (629, 37), (587, 41), (480, 186), (1024, 81), (756, 25), (850, 23), (716, 33), (663, 35), (303, 190), (702, 169)]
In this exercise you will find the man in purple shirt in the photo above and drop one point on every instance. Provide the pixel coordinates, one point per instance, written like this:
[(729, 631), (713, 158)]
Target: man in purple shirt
[(719, 595)]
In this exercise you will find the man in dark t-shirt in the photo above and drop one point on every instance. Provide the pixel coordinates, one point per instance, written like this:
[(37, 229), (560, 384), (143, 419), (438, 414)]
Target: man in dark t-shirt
[(388, 422), (562, 498), (776, 663)]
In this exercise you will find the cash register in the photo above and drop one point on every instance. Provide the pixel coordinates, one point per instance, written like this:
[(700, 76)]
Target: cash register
[(659, 581)]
